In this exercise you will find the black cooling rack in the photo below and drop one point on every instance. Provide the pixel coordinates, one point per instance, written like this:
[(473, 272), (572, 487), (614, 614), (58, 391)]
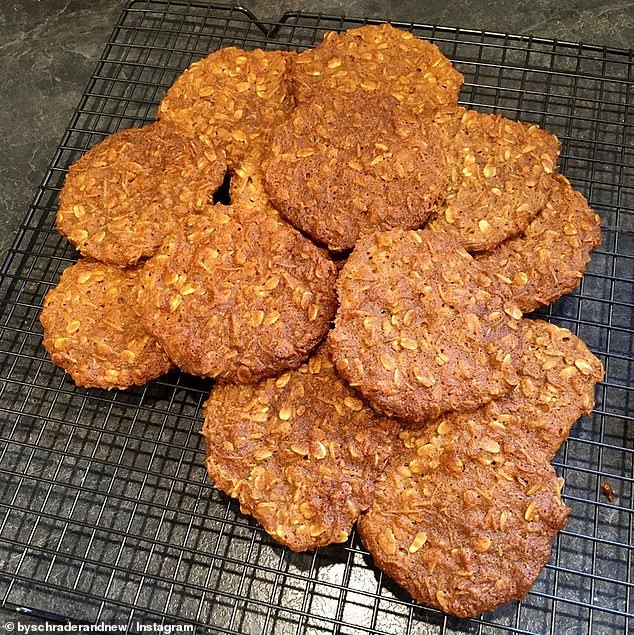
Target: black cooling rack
[(105, 509)]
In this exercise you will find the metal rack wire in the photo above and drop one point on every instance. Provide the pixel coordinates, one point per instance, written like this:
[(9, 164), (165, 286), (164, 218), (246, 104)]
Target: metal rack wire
[(105, 510)]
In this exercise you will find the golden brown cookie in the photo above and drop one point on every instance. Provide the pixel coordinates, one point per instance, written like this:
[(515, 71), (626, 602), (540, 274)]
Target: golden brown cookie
[(125, 194), (238, 295), (92, 330), (344, 165), (463, 522), (557, 378), (375, 59), (247, 185), (500, 176), (234, 96), (421, 329), (300, 452), (550, 257)]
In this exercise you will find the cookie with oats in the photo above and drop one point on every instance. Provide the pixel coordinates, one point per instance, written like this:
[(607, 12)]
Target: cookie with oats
[(344, 165), (247, 185), (500, 176), (92, 330), (421, 328), (463, 522), (233, 96), (237, 295), (300, 452), (374, 59), (548, 260), (557, 377), (121, 198)]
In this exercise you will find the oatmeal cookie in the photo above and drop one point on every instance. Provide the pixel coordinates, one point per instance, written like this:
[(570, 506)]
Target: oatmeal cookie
[(421, 329), (550, 257), (233, 96), (122, 197), (92, 330), (300, 452), (462, 522), (500, 176), (375, 59), (344, 165), (557, 376), (237, 295)]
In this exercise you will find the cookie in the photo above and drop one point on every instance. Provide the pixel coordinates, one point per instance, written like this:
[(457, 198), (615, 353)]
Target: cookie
[(550, 257), (557, 378), (461, 521), (233, 96), (92, 330), (123, 195), (247, 186), (500, 176), (344, 165), (301, 452), (421, 329), (237, 295), (375, 59)]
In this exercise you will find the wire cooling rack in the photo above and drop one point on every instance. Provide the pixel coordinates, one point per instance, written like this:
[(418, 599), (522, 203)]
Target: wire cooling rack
[(106, 514)]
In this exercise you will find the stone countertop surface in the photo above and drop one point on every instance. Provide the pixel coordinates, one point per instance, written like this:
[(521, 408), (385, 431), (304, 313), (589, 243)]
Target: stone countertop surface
[(49, 48)]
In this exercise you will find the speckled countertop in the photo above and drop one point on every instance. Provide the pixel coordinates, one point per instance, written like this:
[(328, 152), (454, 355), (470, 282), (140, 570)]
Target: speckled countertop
[(48, 49)]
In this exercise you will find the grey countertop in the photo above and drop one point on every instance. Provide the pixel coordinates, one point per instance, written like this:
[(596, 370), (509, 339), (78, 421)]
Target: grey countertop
[(48, 49)]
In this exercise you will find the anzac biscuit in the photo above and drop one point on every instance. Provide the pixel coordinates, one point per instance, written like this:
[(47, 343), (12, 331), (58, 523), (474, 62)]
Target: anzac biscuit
[(500, 176), (247, 186), (461, 521), (378, 59), (301, 452), (550, 257), (92, 330), (233, 96), (122, 196), (344, 165), (421, 329), (237, 295), (557, 376)]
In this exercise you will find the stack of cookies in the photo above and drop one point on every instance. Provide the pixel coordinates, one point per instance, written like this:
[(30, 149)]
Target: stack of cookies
[(359, 302)]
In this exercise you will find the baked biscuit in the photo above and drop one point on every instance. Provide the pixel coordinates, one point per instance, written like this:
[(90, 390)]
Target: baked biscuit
[(301, 452), (461, 521), (557, 376), (92, 330), (233, 96), (247, 186), (378, 59), (122, 197), (500, 176), (550, 257), (421, 329), (344, 165), (237, 295)]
